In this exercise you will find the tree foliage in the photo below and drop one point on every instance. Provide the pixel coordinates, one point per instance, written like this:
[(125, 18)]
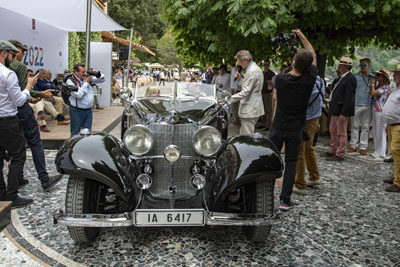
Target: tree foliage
[(210, 30), (166, 51), (144, 16), (77, 46)]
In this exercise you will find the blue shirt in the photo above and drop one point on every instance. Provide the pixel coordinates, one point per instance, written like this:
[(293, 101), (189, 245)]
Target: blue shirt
[(209, 77), (83, 98), (43, 85), (363, 93), (315, 109)]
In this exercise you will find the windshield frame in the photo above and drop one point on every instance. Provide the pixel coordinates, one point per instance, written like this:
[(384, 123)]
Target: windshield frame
[(175, 93)]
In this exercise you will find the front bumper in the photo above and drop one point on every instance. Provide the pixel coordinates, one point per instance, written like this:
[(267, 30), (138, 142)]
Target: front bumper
[(128, 219)]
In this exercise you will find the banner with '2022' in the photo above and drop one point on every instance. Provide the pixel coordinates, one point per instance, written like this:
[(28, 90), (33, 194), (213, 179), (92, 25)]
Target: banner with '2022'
[(47, 46)]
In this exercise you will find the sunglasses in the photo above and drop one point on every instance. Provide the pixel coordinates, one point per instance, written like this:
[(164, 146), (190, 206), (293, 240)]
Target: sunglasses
[(363, 65)]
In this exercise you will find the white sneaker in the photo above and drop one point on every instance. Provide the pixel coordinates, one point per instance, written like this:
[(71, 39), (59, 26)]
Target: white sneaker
[(299, 191), (314, 183)]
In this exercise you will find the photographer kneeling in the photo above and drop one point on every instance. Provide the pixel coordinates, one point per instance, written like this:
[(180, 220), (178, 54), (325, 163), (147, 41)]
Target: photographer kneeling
[(81, 101), (293, 91)]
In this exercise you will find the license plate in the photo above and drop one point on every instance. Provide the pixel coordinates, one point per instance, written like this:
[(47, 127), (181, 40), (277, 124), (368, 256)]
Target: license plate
[(169, 217)]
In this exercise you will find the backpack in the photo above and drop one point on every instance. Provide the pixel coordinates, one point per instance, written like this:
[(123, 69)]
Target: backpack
[(66, 89)]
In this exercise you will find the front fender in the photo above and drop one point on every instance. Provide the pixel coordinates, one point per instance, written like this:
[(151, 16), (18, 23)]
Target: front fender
[(99, 157), (246, 159)]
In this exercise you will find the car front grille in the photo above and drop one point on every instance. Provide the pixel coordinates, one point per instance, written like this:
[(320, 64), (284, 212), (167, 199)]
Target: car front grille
[(178, 174)]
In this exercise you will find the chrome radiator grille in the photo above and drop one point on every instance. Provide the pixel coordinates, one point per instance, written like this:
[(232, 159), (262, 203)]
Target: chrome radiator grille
[(165, 175)]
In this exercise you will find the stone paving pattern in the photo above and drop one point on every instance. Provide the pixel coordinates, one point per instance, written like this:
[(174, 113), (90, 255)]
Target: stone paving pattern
[(348, 221)]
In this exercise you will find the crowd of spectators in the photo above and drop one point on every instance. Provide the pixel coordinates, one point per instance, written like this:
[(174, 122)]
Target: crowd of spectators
[(290, 105)]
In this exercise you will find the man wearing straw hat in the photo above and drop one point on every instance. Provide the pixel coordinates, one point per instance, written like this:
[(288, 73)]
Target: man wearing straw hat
[(341, 109), (391, 116)]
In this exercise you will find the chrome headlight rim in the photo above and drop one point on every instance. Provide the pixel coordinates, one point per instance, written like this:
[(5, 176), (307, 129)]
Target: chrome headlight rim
[(142, 127), (206, 128)]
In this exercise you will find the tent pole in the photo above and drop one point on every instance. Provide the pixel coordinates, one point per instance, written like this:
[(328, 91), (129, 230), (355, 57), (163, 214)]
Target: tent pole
[(88, 21), (129, 59)]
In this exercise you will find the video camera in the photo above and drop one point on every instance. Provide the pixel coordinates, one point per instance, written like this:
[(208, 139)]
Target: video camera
[(92, 72), (286, 39), (70, 88)]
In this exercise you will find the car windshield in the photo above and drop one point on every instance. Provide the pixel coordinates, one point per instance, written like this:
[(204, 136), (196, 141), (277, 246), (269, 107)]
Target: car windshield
[(181, 90)]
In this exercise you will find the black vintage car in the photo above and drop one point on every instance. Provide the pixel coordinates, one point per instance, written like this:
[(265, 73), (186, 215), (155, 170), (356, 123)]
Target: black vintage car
[(175, 166)]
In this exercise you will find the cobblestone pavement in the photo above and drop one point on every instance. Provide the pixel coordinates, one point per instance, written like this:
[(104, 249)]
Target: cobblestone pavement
[(348, 221)]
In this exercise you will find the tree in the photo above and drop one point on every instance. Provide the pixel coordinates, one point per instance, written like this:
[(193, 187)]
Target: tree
[(144, 17), (210, 30), (77, 46), (166, 51)]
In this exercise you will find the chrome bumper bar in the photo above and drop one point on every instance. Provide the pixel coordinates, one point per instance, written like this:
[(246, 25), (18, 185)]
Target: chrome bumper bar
[(128, 219)]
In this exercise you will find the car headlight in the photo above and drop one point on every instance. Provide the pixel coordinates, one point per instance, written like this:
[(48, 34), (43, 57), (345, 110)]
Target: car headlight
[(125, 93), (172, 153), (207, 140), (138, 139), (226, 95)]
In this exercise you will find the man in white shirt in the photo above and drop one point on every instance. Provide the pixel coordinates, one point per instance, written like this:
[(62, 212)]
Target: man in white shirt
[(162, 78), (234, 85), (11, 134), (222, 81)]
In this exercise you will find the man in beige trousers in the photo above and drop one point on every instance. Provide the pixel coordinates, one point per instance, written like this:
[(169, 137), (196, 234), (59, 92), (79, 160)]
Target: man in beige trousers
[(251, 105)]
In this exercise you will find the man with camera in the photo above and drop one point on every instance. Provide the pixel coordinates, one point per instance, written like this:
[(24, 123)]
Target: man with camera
[(11, 135), (251, 106), (29, 125), (293, 92), (81, 101)]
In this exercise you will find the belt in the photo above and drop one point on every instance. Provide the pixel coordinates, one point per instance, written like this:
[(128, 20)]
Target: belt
[(80, 108), (394, 124), (7, 118)]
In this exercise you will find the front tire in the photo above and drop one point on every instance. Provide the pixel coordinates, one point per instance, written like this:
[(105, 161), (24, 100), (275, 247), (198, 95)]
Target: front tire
[(260, 199), (84, 196)]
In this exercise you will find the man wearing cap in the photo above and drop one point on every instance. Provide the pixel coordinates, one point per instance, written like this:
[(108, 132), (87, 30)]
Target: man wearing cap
[(391, 116), (362, 112), (342, 105), (29, 124), (11, 135)]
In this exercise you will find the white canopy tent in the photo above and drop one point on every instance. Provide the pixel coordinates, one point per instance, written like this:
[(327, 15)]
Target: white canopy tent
[(67, 15), (43, 26)]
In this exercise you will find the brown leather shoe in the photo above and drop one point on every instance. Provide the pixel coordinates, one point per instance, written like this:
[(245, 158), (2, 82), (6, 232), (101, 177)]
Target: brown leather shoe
[(388, 181), (363, 152), (393, 188), (351, 150), (98, 107), (43, 128), (62, 122), (67, 118)]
